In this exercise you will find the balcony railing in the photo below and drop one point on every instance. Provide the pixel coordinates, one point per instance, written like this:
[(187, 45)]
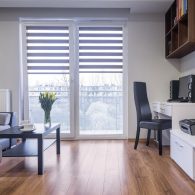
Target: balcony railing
[(99, 110)]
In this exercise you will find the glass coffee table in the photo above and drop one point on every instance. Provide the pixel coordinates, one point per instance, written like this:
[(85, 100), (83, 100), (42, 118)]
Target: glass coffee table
[(33, 143)]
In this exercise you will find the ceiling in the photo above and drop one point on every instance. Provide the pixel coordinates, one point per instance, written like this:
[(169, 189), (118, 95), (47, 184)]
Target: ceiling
[(136, 6)]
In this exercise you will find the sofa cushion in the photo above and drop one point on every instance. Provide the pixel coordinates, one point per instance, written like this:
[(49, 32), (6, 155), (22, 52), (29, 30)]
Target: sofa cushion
[(4, 127), (5, 143), (5, 118)]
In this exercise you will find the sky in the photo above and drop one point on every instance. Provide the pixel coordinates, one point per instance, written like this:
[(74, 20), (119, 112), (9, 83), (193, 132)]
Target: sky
[(86, 79)]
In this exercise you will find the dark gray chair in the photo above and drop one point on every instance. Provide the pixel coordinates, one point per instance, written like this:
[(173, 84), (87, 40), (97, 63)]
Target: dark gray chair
[(144, 116)]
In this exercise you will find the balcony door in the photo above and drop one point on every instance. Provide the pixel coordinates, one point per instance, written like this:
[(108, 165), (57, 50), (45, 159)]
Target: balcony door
[(100, 80), (84, 65)]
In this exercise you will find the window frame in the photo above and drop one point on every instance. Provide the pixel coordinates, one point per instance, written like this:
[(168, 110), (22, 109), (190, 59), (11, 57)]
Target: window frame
[(24, 98), (122, 24), (74, 72)]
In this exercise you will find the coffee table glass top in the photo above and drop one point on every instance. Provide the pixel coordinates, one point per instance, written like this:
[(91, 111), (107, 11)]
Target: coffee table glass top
[(39, 129)]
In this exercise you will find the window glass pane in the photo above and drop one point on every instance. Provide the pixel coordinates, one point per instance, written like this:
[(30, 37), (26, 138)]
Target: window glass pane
[(101, 103), (100, 79), (48, 70), (58, 83)]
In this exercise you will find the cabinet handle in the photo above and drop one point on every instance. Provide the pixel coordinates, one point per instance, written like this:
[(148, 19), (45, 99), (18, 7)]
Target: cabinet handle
[(181, 146)]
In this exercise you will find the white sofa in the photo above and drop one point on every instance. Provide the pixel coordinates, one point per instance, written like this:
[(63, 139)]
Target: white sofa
[(7, 120)]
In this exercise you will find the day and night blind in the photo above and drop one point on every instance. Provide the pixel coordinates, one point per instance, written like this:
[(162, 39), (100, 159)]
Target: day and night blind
[(100, 49), (47, 49)]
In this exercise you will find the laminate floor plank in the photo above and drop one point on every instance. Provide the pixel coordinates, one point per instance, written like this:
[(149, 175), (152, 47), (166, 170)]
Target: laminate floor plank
[(129, 183), (83, 169), (112, 185), (96, 179), (96, 167)]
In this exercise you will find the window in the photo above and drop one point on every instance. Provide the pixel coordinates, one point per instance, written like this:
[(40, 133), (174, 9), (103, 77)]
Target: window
[(84, 65)]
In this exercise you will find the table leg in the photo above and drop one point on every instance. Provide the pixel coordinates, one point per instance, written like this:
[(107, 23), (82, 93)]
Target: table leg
[(58, 140), (40, 156)]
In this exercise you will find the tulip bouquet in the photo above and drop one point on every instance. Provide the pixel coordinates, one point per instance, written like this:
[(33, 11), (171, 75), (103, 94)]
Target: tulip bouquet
[(46, 100)]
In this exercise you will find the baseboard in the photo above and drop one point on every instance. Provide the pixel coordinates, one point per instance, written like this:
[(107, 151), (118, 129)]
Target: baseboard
[(140, 140)]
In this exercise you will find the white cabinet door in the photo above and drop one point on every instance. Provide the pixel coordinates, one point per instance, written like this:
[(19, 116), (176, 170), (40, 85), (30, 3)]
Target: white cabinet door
[(182, 154)]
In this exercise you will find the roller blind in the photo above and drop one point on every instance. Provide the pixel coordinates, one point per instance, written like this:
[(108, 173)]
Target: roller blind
[(100, 49), (47, 49)]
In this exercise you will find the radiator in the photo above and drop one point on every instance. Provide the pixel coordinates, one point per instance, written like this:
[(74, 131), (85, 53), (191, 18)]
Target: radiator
[(5, 100)]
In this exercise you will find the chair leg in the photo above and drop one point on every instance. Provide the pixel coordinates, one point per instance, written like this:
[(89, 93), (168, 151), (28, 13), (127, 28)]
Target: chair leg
[(137, 137), (148, 137), (160, 142)]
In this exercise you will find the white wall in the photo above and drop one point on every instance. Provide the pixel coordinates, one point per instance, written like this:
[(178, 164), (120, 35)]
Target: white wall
[(147, 62), (187, 64), (146, 52), (9, 60)]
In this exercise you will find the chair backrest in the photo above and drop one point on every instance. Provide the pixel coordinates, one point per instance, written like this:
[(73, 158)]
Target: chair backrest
[(141, 102)]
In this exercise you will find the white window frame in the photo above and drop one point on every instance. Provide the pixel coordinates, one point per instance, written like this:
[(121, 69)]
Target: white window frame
[(74, 73), (125, 79), (24, 84)]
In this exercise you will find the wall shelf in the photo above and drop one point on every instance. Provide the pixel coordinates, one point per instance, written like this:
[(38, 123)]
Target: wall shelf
[(180, 31)]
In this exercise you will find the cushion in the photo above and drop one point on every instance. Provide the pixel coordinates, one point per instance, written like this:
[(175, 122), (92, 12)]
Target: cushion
[(5, 118), (4, 127), (4, 143), (156, 124)]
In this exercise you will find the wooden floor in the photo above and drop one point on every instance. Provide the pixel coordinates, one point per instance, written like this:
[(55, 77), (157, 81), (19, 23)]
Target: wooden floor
[(96, 167)]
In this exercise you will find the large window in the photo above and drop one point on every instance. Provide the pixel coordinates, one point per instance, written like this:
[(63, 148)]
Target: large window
[(84, 66)]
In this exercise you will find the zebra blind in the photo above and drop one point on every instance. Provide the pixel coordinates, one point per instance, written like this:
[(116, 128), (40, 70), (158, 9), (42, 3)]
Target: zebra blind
[(100, 49), (47, 49)]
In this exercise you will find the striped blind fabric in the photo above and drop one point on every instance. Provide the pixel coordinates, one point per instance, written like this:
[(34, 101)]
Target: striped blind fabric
[(47, 49), (100, 49)]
